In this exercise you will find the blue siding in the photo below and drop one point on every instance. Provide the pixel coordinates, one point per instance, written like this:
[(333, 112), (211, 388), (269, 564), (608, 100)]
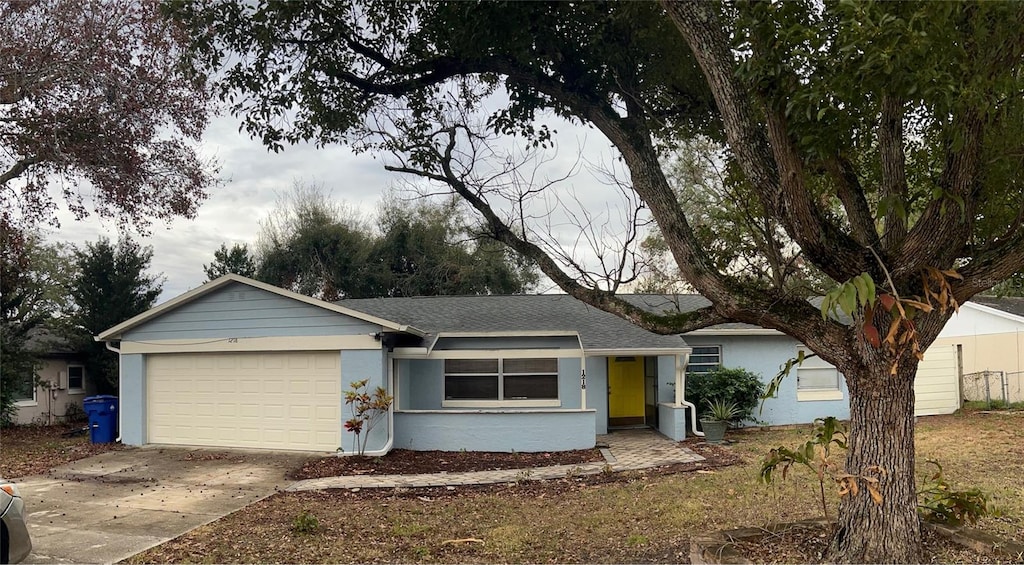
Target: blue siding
[(479, 430), (764, 355), (133, 399), (238, 310), (357, 365)]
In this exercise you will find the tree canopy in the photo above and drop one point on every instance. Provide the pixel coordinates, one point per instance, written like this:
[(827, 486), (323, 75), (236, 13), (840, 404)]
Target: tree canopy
[(883, 139), (321, 248), (112, 285), (237, 260), (96, 108)]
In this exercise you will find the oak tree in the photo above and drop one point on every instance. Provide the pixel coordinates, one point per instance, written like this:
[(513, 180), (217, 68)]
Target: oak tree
[(96, 110), (883, 139)]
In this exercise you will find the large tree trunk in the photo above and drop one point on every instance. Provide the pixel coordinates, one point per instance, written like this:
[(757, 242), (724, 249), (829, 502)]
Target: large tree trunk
[(881, 434)]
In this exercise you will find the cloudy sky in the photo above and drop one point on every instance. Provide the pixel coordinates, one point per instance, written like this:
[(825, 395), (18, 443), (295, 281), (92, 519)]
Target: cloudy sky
[(254, 177)]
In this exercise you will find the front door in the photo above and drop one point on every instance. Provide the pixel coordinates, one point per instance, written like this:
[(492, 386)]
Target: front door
[(625, 391)]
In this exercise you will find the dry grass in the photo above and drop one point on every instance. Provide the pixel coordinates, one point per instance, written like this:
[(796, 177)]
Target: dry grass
[(641, 518)]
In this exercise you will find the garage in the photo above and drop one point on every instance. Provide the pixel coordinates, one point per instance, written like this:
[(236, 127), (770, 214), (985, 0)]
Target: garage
[(935, 386), (279, 400)]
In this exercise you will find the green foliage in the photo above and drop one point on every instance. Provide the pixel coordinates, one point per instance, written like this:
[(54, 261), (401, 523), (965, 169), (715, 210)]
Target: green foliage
[(74, 413), (236, 260), (720, 411), (111, 286), (33, 283), (320, 248), (305, 523), (738, 387), (938, 502), (857, 292), (367, 409)]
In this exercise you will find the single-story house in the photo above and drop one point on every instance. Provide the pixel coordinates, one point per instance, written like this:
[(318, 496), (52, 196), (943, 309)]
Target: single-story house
[(988, 336), (240, 363), (59, 385)]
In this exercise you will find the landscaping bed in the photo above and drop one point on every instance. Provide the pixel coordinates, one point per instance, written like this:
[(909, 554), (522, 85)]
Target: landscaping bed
[(407, 462), (35, 450)]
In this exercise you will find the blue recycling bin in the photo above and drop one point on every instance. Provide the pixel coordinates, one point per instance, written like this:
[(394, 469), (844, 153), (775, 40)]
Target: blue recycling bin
[(102, 412)]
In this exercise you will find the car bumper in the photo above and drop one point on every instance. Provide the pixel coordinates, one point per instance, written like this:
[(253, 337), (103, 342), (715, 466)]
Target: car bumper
[(14, 520)]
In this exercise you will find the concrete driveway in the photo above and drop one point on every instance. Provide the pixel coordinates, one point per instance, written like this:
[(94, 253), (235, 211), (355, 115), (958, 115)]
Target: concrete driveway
[(112, 506)]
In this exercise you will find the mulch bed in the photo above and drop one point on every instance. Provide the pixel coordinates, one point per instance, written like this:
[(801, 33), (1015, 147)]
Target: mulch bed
[(809, 544), (35, 450), (406, 462)]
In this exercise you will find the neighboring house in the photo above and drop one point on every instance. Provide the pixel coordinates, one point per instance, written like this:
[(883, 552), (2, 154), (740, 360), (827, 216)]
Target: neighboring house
[(812, 390), (988, 334), (62, 382), (239, 363)]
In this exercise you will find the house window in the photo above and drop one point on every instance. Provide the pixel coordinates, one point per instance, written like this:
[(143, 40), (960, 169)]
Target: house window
[(500, 382), (704, 358), (76, 379), (25, 389), (816, 379)]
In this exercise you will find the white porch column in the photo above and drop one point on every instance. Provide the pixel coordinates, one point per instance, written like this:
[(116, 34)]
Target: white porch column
[(583, 382)]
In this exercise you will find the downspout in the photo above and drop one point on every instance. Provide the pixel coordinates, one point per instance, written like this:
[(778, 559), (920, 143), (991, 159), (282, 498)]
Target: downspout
[(119, 393), (391, 418), (680, 388)]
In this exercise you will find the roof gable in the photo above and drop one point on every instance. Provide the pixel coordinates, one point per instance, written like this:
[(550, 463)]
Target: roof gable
[(117, 331)]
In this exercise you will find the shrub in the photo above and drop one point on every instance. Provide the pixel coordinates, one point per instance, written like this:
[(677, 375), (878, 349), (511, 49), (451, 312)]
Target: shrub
[(736, 386), (305, 523)]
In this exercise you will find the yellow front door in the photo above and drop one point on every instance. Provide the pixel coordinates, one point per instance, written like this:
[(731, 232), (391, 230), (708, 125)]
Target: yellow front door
[(625, 391)]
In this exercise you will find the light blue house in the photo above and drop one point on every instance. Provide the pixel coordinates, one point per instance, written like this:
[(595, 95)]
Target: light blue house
[(240, 363)]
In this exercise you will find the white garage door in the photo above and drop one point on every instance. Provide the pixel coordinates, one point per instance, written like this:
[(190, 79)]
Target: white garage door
[(253, 400), (935, 387)]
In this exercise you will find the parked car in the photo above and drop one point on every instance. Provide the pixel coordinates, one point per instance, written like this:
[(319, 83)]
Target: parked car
[(15, 543)]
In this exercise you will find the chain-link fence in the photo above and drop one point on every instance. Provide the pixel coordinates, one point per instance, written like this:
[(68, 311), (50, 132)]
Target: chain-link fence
[(998, 388)]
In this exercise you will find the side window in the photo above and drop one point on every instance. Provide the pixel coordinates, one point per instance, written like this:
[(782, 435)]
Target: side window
[(816, 379), (705, 358)]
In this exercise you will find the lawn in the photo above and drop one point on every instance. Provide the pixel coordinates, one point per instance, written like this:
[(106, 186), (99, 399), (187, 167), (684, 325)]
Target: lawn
[(34, 450), (643, 517)]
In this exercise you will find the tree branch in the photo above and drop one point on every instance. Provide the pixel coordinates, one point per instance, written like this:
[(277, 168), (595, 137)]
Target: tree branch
[(18, 169), (894, 176), (851, 194)]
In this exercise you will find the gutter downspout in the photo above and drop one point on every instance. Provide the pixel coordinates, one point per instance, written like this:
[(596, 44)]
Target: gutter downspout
[(391, 419), (119, 393), (681, 363)]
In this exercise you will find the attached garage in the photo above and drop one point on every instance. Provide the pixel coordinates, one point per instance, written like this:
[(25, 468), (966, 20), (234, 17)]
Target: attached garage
[(289, 400), (242, 364)]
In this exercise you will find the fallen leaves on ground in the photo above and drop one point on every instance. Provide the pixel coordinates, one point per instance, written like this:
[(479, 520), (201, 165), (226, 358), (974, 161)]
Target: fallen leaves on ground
[(35, 450)]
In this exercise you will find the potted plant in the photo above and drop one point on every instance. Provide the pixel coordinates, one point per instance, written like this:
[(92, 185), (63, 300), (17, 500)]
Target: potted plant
[(717, 419)]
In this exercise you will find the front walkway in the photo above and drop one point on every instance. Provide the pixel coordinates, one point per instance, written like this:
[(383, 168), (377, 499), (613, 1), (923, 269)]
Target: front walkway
[(627, 450)]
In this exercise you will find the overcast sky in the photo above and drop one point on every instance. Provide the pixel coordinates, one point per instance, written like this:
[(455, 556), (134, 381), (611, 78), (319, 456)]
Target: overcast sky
[(254, 177)]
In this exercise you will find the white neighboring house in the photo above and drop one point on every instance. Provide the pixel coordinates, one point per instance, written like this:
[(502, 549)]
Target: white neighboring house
[(62, 382), (988, 337)]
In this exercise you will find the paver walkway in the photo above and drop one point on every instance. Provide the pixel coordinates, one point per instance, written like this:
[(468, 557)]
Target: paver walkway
[(627, 450)]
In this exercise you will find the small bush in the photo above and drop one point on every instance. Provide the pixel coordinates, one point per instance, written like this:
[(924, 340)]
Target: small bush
[(736, 386), (938, 502), (74, 413), (305, 523)]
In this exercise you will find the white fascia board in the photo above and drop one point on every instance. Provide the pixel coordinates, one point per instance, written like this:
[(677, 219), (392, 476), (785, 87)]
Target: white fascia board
[(735, 331), (517, 333), (651, 352), (993, 311), (115, 332)]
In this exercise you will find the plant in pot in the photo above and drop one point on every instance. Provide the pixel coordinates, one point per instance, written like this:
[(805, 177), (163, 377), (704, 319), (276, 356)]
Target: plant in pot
[(717, 419)]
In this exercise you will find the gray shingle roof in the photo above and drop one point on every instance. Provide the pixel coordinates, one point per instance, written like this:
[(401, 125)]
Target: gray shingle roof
[(667, 303), (1011, 304), (539, 312)]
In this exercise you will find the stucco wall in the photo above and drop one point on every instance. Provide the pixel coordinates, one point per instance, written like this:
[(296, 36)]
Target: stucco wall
[(495, 430), (51, 403), (764, 355)]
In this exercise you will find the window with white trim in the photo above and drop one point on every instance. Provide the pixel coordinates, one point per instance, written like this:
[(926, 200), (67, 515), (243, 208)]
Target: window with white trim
[(25, 388), (816, 379), (486, 382), (76, 379), (704, 359)]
